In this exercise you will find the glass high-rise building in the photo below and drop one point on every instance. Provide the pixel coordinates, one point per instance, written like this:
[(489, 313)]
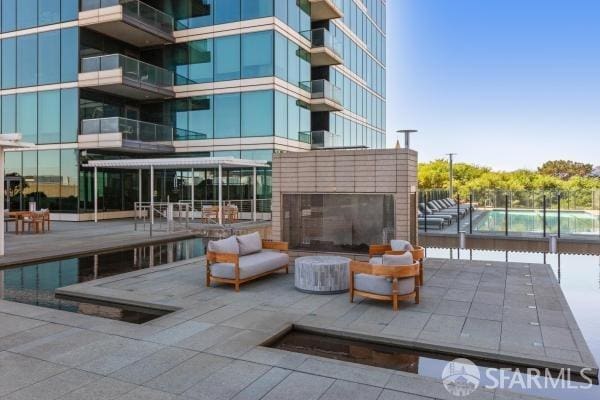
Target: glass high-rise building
[(102, 79)]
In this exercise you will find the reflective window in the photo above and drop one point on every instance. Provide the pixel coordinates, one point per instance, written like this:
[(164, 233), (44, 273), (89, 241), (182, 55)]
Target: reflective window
[(49, 56), (69, 54), (69, 10), (201, 117), (26, 13), (27, 116), (293, 19), (293, 64), (48, 12), (257, 54), (227, 11), (200, 61), (257, 113), (9, 114), (227, 58), (281, 56), (49, 117), (293, 118), (69, 119), (257, 9), (69, 179), (281, 10), (48, 195), (9, 15), (9, 65), (281, 114), (30, 176), (27, 60), (227, 115)]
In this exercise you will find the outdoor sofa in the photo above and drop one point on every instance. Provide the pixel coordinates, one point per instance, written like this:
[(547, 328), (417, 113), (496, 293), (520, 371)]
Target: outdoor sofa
[(240, 259)]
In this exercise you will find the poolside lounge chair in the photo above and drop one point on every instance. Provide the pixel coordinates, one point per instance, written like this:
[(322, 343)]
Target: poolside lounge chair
[(398, 247), (394, 280), (442, 207), (449, 203), (240, 259), (447, 217), (430, 222), (449, 211)]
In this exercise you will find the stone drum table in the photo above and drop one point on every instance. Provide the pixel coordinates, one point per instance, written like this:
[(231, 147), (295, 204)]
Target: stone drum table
[(322, 274)]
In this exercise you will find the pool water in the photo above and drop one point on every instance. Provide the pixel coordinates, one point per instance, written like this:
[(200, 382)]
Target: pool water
[(35, 283), (532, 221), (579, 278)]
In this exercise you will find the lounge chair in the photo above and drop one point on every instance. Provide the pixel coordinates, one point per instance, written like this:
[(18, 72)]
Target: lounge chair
[(446, 217), (240, 259), (449, 211), (398, 247), (430, 222), (442, 207), (394, 280)]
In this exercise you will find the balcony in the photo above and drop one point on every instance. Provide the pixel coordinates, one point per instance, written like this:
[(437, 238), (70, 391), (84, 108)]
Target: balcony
[(130, 21), (326, 49), (122, 134), (127, 77), (321, 139), (324, 96), (325, 9)]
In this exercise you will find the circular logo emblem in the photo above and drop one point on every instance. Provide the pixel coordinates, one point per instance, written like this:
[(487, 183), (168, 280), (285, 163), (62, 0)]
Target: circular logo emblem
[(461, 377)]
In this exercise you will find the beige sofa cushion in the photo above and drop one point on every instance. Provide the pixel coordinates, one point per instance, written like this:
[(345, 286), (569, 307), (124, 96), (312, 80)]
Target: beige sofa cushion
[(251, 265), (249, 244)]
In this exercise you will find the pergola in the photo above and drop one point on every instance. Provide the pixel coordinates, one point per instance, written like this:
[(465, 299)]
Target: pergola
[(151, 164)]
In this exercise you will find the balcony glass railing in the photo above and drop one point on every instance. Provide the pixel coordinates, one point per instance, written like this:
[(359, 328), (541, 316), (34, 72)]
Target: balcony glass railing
[(130, 129), (137, 10), (136, 70), (323, 89), (324, 38), (321, 139)]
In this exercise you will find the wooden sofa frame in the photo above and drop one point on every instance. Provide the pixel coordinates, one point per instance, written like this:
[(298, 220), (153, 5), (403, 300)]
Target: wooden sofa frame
[(228, 258), (418, 253), (394, 272)]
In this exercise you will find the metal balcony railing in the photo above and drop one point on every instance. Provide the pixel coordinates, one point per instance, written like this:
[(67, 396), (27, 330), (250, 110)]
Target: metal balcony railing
[(322, 37), (137, 10), (130, 129), (323, 89), (136, 70)]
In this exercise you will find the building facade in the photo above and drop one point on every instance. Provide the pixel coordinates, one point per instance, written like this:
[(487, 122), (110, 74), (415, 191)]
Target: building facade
[(98, 79)]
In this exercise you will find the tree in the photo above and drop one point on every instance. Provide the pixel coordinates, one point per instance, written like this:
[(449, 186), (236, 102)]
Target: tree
[(565, 169), (596, 172)]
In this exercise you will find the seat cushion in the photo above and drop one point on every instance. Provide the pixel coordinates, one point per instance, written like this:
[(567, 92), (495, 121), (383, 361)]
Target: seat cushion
[(403, 259), (376, 260), (251, 265), (249, 244), (229, 246), (382, 285), (401, 245)]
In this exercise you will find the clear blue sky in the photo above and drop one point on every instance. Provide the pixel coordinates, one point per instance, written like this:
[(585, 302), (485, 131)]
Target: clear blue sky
[(504, 83)]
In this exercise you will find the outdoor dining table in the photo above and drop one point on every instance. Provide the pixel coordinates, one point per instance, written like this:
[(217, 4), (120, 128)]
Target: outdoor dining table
[(20, 217)]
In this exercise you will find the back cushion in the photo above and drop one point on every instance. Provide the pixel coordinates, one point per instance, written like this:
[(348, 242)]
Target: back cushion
[(229, 246), (249, 244), (404, 259), (401, 245)]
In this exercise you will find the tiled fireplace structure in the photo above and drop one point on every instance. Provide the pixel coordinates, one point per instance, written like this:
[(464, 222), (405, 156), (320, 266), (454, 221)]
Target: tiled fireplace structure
[(340, 201)]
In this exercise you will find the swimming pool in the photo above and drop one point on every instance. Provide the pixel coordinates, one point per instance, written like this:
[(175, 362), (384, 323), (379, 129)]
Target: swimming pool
[(35, 283), (532, 221)]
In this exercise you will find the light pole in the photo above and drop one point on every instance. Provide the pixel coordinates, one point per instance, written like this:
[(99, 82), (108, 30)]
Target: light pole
[(451, 158), (407, 133)]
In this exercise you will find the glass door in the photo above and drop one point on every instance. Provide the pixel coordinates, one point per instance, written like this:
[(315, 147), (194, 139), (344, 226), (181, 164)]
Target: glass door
[(13, 195)]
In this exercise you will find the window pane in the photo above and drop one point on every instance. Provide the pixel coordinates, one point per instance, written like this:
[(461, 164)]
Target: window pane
[(256, 9), (49, 186), (293, 64), (69, 10), (27, 60), (49, 116), (9, 15), (69, 179), (69, 119), (26, 14), (201, 117), (200, 61), (281, 55), (293, 15), (227, 11), (257, 113), (257, 54), (9, 63), (293, 118), (227, 115), (30, 176), (27, 116), (281, 10), (281, 114), (48, 11), (49, 56), (9, 114), (69, 55), (227, 58)]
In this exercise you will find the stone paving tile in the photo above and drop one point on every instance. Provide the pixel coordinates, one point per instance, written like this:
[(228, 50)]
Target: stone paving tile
[(10, 325), (300, 386), (263, 385), (455, 308), (350, 390), (486, 311), (127, 352), (239, 344), (179, 332), (557, 337), (142, 393), (23, 337), (443, 327), (103, 389), (208, 338), (154, 365), (367, 375), (260, 320), (55, 387), (408, 324), (481, 333), (18, 371), (428, 387), (395, 395), (227, 382)]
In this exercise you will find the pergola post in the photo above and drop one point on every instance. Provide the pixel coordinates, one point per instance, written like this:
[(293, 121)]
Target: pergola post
[(193, 190), (139, 194), (2, 209), (96, 194), (152, 195), (220, 194), (254, 194)]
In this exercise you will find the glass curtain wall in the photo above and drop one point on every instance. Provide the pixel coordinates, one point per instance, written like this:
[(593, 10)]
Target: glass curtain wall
[(25, 14)]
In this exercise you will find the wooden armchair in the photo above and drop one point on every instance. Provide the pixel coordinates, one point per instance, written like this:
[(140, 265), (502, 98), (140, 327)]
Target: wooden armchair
[(34, 220), (378, 250), (235, 269), (384, 282)]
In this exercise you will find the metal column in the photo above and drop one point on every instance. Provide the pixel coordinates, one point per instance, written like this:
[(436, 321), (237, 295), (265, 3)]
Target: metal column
[(152, 194), (2, 228), (220, 194), (139, 194), (193, 190), (96, 194), (254, 194)]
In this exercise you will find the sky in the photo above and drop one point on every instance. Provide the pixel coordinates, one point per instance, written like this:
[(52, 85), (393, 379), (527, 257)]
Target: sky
[(504, 83)]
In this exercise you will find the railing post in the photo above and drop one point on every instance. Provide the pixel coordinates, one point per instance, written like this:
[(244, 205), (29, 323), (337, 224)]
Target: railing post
[(458, 214), (558, 228), (544, 214), (471, 213), (425, 211), (506, 215)]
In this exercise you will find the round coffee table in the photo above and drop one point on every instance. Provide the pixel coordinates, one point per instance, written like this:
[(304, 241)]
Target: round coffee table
[(322, 274)]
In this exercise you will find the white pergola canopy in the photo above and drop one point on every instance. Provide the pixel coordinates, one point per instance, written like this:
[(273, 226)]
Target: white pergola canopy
[(177, 163)]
